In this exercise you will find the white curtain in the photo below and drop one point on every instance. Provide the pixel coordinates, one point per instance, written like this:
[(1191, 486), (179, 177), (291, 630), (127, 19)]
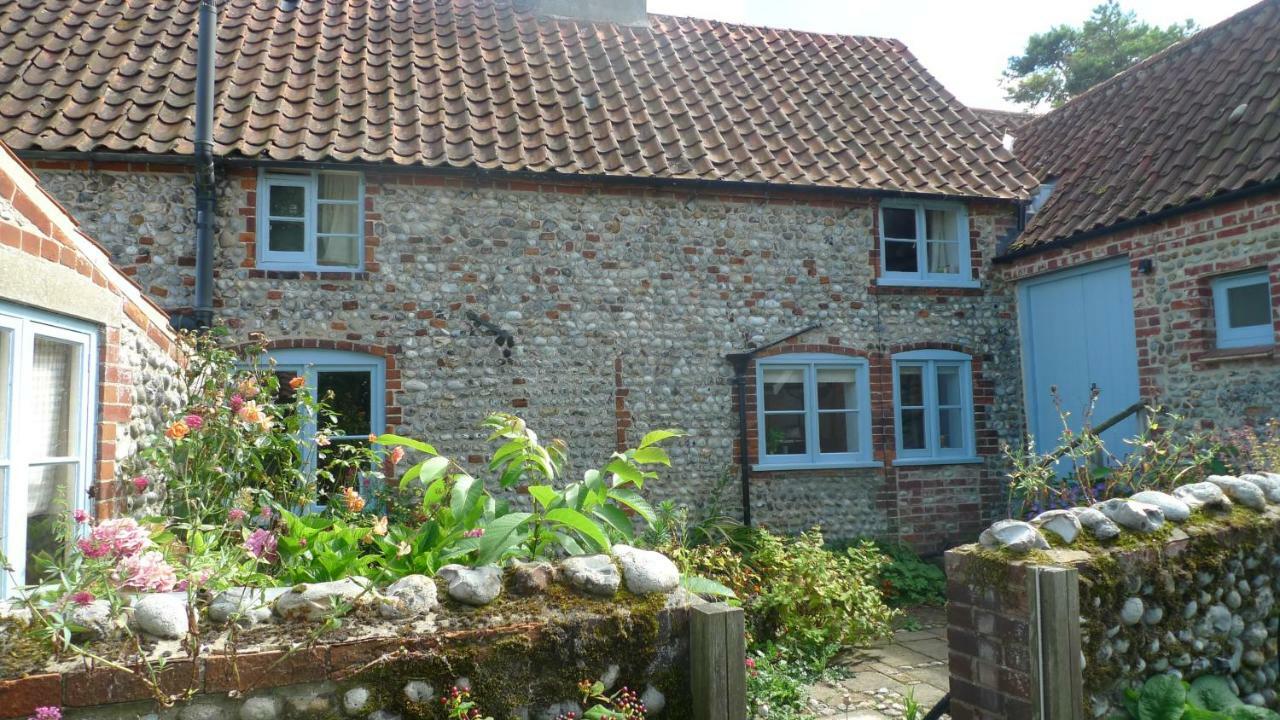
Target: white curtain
[(52, 410)]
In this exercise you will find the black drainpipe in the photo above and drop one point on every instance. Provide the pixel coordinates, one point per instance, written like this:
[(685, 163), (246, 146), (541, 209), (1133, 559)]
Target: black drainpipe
[(205, 192), (740, 362)]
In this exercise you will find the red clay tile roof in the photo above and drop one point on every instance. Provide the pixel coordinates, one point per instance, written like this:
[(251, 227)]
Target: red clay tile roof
[(476, 83), (1004, 121), (1198, 120)]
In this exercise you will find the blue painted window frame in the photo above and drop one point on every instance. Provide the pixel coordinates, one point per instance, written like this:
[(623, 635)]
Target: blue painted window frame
[(1251, 335), (810, 363), (933, 454), (304, 260), (922, 277)]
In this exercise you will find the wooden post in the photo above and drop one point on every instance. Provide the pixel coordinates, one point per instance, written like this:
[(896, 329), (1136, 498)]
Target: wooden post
[(718, 655), (1057, 680)]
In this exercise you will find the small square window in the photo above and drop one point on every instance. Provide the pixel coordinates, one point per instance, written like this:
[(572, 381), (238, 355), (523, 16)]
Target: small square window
[(1242, 310), (924, 244), (311, 221), (934, 406), (813, 411)]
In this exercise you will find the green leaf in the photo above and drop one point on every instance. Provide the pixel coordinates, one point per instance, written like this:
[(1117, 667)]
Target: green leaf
[(435, 493), (433, 469), (499, 536), (1212, 693), (657, 436), (650, 455), (1251, 712), (391, 439), (632, 499), (581, 524), (625, 471), (544, 494), (1163, 698), (616, 519), (699, 585), (466, 491)]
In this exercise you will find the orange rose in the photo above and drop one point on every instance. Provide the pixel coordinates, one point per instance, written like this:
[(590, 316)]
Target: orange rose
[(397, 454), (248, 387), (352, 500), (251, 413), (297, 382), (177, 431)]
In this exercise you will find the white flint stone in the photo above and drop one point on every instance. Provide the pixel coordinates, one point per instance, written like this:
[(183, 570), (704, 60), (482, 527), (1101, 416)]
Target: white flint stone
[(92, 620), (653, 699), (1014, 535), (316, 601), (1132, 515), (1174, 509), (1269, 483), (594, 574), (417, 691), (646, 572), (356, 701), (261, 708), (1099, 525), (249, 606), (1131, 611), (1241, 491), (410, 596), (473, 586), (161, 615), (1062, 523), (1202, 494)]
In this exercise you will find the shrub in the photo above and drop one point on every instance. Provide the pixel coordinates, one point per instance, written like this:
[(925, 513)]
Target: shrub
[(907, 580)]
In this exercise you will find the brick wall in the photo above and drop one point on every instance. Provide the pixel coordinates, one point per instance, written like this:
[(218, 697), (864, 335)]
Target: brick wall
[(619, 305), (1178, 363)]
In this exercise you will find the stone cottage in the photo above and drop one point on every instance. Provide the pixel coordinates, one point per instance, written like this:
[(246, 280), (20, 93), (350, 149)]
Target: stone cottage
[(604, 220), (1150, 263), (87, 367)]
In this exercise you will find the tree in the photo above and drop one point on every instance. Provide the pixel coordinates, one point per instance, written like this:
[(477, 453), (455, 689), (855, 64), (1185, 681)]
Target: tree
[(1065, 60)]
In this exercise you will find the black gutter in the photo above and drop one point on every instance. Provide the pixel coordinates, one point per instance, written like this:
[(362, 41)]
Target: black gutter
[(740, 362), (205, 189), (1139, 221)]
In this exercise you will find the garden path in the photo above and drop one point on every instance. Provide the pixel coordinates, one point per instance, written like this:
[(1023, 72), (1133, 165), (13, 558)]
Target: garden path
[(877, 681)]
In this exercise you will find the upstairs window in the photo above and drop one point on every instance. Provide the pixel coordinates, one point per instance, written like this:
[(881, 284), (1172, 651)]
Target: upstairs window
[(310, 221), (1242, 310), (813, 411), (933, 401), (924, 244)]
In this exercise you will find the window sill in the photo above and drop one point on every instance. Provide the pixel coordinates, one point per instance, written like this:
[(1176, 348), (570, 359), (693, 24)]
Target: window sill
[(906, 462), (917, 283), (298, 274), (771, 467), (1252, 352)]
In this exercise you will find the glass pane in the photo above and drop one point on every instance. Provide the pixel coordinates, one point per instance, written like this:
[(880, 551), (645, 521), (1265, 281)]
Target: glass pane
[(944, 258), (900, 256), (1249, 305), (784, 434), (837, 432), (340, 468), (338, 219), (6, 380), (911, 386), (286, 236), (287, 201), (285, 394), (337, 251), (913, 430), (54, 398), (900, 223), (950, 429), (784, 389), (48, 510), (940, 225), (339, 187), (351, 400), (835, 389), (948, 385)]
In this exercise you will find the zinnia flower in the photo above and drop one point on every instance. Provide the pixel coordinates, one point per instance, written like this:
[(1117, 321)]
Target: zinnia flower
[(297, 382), (262, 545), (352, 500), (47, 712), (177, 431), (193, 421), (81, 517), (397, 454), (148, 571), (118, 537), (140, 483), (83, 597), (236, 515)]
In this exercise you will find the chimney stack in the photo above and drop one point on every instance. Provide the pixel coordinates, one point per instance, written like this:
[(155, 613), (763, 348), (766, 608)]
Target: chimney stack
[(622, 12)]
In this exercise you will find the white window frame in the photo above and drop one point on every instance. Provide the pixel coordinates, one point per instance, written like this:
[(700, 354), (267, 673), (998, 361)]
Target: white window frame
[(1253, 335), (305, 259), (811, 363), (922, 277), (933, 453), (24, 325)]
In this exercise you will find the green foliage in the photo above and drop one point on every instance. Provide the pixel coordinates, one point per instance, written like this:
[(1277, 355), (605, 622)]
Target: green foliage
[(320, 548), (907, 580), (1064, 61), (1211, 692), (776, 680), (1165, 697)]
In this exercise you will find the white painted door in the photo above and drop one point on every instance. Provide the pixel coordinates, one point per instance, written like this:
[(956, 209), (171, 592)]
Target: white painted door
[(1077, 334)]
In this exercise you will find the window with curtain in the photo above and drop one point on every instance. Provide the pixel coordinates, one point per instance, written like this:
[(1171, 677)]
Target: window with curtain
[(924, 243), (46, 415), (813, 410), (933, 404), (310, 220)]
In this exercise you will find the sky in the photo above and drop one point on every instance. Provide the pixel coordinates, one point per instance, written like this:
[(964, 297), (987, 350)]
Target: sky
[(966, 44)]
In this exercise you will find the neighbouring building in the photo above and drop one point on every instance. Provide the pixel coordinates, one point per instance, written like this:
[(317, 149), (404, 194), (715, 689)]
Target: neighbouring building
[(1149, 267), (88, 366), (445, 209)]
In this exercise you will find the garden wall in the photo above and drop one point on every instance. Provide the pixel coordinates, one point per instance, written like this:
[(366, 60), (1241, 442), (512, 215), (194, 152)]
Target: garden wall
[(1196, 598), (620, 304), (520, 657)]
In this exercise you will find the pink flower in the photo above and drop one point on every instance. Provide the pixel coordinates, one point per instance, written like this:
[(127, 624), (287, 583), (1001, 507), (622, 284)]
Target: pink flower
[(141, 483), (148, 572), (478, 532), (751, 663), (194, 422), (118, 537), (83, 597), (47, 712), (236, 515), (80, 516), (397, 454), (262, 545), (237, 402), (266, 512)]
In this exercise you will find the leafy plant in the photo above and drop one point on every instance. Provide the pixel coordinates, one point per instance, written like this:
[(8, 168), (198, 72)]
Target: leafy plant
[(1165, 697), (907, 580), (320, 548)]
